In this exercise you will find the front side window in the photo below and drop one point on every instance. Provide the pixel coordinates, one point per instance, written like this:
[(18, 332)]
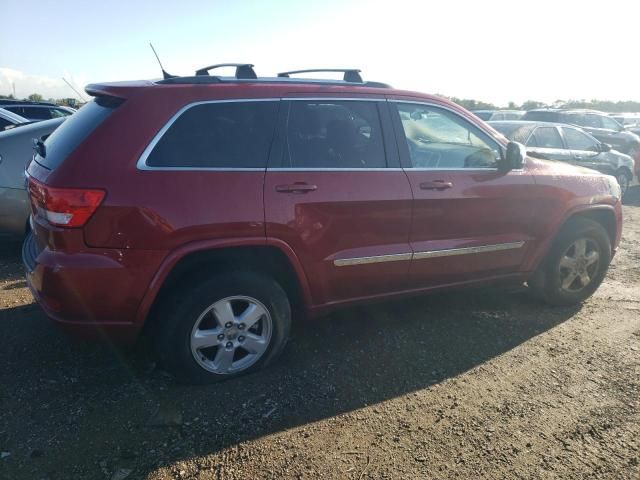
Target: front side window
[(439, 139), (334, 135), (610, 124), (58, 112), (577, 140), (218, 135), (547, 137)]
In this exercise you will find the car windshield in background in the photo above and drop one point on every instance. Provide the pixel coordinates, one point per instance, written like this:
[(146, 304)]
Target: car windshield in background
[(483, 115)]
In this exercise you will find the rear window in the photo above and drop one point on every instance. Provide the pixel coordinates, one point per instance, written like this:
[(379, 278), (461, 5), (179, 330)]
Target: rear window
[(218, 135), (71, 133), (540, 116)]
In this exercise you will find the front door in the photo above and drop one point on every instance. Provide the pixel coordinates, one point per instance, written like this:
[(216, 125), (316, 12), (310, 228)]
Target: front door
[(470, 221), (334, 192)]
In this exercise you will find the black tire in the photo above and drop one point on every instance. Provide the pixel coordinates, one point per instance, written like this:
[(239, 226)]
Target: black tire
[(546, 283), (624, 177), (173, 335)]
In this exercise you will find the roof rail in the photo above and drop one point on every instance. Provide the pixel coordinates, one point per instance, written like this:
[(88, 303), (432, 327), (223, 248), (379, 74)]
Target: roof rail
[(243, 70), (351, 75)]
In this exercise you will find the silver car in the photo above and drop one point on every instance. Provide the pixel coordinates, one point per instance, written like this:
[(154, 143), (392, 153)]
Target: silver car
[(16, 149), (9, 119)]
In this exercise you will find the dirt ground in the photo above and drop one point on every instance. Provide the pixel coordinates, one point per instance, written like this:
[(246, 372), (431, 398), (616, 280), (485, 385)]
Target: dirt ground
[(482, 384)]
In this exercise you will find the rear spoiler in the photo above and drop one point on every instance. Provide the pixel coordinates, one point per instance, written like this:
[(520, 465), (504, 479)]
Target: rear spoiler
[(115, 93)]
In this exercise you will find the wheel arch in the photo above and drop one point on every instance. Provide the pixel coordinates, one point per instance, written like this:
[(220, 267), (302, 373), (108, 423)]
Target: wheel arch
[(605, 215), (272, 257)]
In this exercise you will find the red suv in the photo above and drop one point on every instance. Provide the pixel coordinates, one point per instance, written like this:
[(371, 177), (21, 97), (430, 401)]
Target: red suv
[(207, 209)]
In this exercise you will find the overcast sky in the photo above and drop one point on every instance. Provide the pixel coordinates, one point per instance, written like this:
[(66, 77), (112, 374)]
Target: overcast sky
[(490, 50)]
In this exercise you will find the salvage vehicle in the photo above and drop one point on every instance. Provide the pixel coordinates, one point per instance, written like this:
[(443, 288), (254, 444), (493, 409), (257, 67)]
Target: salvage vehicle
[(565, 143), (209, 212), (598, 124), (16, 150)]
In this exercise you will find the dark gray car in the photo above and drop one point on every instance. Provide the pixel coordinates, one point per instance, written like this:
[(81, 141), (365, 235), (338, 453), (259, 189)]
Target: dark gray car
[(566, 143), (16, 149)]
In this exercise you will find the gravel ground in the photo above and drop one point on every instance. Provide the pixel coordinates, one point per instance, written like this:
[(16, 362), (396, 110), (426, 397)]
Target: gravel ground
[(481, 384)]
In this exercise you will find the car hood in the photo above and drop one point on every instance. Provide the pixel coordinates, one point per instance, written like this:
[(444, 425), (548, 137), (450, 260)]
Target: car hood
[(555, 167)]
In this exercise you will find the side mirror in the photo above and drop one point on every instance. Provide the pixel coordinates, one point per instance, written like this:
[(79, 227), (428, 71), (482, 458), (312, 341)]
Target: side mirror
[(605, 147), (514, 158)]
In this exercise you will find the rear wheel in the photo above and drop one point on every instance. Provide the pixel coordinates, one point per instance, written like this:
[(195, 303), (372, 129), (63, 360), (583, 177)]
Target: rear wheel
[(576, 264), (223, 327)]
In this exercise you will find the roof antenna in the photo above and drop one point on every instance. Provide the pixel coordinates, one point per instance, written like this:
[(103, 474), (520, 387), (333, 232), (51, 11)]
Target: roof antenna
[(165, 75)]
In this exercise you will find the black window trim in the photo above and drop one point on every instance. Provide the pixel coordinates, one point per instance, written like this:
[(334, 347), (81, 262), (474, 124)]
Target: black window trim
[(401, 139), (142, 161)]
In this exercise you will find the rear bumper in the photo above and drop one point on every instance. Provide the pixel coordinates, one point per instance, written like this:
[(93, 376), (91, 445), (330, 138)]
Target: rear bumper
[(94, 294)]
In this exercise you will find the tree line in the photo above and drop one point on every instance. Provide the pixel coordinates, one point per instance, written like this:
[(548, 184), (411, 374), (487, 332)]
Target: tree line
[(602, 105), (36, 97)]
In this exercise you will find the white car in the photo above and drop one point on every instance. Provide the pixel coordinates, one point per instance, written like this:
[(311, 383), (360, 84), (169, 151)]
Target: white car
[(9, 119)]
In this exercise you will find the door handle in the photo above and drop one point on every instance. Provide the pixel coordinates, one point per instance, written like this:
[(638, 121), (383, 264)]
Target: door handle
[(436, 185), (296, 188)]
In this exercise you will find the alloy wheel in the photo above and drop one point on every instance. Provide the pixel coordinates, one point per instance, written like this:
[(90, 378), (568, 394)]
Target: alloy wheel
[(231, 335), (579, 265)]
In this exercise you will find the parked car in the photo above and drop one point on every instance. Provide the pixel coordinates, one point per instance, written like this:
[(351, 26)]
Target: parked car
[(9, 119), (556, 141), (16, 149), (598, 124), (244, 199), (36, 110), (495, 115)]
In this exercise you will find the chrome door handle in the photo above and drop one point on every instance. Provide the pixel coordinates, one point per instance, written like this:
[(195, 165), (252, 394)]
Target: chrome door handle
[(436, 185), (296, 188)]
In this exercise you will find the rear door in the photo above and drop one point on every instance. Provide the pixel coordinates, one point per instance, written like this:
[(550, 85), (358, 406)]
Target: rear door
[(335, 193), (470, 221)]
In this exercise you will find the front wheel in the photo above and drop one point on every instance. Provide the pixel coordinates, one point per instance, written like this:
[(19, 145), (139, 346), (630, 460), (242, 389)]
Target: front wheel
[(224, 326), (576, 264), (624, 179)]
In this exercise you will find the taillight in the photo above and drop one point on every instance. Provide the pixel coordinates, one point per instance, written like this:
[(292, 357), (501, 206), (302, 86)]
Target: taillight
[(64, 207)]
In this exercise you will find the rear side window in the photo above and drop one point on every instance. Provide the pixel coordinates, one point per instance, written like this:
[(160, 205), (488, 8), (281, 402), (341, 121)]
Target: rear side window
[(71, 133), (36, 113), (540, 116), (4, 123), (218, 135), (334, 135)]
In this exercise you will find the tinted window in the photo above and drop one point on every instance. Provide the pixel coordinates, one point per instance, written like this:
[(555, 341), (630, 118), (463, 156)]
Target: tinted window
[(442, 140), (573, 118), (592, 121), (610, 124), (577, 140), (218, 135), (540, 116), (334, 134), (4, 123), (72, 131), (547, 137), (486, 116), (36, 113)]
